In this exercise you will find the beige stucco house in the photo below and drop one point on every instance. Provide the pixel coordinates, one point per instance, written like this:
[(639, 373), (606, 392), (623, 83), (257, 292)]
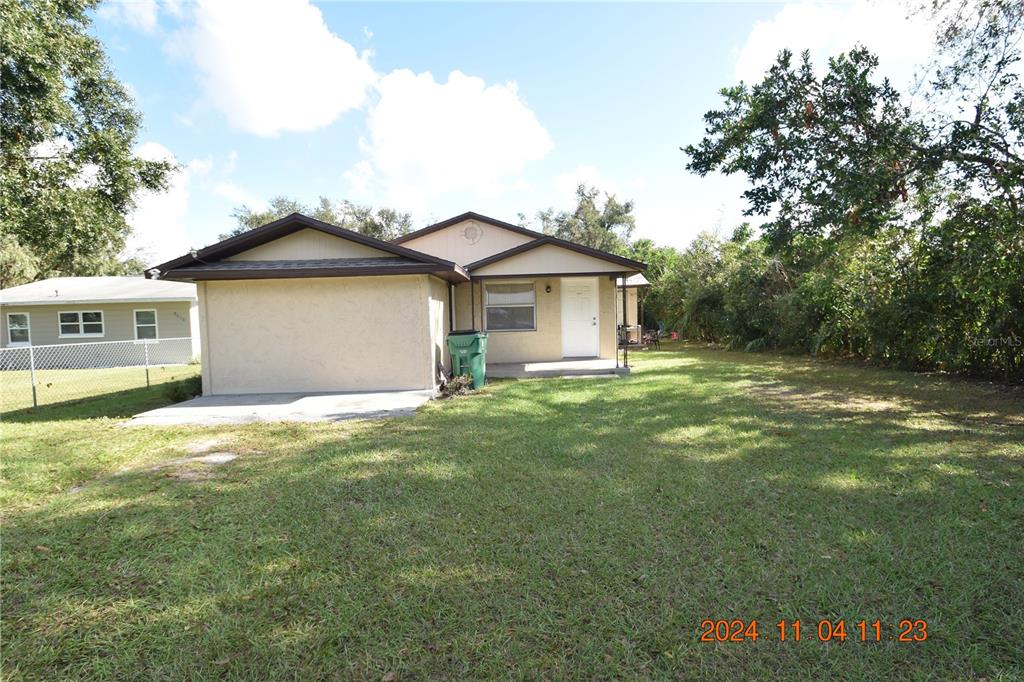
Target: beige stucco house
[(65, 310), (301, 306)]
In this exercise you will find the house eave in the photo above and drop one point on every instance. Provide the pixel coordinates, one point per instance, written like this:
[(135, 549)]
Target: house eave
[(97, 301), (205, 274), (280, 228), (541, 275), (628, 263)]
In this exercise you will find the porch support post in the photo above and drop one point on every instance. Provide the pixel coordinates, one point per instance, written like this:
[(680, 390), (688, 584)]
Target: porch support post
[(625, 326), (615, 281), (640, 314), (472, 304), (451, 306)]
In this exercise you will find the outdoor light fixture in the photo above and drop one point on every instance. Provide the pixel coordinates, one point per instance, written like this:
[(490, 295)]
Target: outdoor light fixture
[(547, 289)]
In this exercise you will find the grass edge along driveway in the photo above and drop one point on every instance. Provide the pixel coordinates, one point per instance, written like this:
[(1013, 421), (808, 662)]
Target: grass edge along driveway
[(548, 528)]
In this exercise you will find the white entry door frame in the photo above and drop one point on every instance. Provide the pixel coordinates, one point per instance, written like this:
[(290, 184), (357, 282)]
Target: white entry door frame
[(581, 324)]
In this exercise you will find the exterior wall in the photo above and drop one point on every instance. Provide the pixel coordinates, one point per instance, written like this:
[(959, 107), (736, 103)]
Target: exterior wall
[(545, 343), (316, 334), (173, 320), (204, 337), (308, 244), (549, 258), (451, 242), (193, 322), (437, 301)]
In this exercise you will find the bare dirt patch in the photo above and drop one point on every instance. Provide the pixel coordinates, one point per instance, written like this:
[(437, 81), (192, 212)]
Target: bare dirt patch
[(200, 467), (986, 410), (193, 468), (203, 444), (834, 401)]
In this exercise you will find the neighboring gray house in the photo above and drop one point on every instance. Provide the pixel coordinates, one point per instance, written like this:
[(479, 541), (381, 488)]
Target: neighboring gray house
[(83, 309)]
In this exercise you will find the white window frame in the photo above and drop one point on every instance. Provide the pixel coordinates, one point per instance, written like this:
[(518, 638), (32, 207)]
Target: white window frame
[(533, 305), (28, 328), (155, 325), (81, 325)]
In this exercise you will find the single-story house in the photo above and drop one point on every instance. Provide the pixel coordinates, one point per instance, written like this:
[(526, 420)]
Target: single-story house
[(64, 310), (299, 305)]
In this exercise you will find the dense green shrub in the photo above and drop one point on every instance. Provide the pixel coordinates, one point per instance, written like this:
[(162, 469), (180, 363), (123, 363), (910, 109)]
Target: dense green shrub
[(185, 389), (892, 229), (938, 300)]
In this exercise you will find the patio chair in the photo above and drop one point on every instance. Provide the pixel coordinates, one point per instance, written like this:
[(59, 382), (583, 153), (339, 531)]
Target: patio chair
[(652, 340)]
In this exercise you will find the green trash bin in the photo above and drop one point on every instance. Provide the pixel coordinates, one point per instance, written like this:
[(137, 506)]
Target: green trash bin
[(468, 348)]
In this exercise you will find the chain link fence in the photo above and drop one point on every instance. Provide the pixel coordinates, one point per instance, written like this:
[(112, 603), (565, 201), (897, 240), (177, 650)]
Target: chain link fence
[(43, 375)]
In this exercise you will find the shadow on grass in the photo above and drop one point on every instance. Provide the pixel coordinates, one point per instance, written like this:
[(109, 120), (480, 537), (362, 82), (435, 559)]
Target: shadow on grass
[(577, 528), (113, 405)]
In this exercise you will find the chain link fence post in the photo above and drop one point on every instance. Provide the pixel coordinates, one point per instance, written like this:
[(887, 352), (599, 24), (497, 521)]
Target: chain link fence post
[(74, 371), (145, 350), (32, 372)]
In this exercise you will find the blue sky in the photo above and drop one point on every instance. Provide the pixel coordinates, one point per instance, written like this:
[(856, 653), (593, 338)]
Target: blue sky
[(442, 108)]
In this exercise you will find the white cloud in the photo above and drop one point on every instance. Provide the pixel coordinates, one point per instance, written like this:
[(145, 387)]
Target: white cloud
[(901, 43), (158, 220), (140, 14), (238, 195), (174, 8), (671, 209), (677, 211), (566, 184), (426, 139), (271, 67)]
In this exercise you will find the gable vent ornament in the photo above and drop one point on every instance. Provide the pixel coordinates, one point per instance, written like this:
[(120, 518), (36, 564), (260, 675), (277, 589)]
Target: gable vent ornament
[(472, 233)]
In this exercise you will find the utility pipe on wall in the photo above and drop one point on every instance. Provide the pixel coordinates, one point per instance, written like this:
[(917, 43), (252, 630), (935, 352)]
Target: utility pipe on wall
[(451, 306)]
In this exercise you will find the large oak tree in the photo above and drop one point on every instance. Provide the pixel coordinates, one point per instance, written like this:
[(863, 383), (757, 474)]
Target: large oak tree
[(68, 170)]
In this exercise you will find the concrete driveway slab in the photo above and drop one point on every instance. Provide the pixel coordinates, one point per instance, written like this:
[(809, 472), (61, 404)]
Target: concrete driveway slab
[(276, 407)]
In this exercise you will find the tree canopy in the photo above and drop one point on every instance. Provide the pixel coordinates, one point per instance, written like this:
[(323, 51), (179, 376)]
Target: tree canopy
[(605, 224), (891, 232), (68, 170), (381, 223)]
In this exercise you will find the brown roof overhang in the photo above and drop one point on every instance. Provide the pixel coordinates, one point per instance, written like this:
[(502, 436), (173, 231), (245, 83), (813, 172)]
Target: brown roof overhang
[(323, 267), (283, 227), (628, 263)]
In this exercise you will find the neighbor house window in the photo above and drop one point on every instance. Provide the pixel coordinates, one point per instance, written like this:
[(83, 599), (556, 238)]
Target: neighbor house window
[(145, 324), (510, 307), (17, 329), (81, 323)]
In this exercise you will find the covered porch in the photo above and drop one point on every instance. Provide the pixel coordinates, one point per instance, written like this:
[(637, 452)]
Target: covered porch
[(548, 306)]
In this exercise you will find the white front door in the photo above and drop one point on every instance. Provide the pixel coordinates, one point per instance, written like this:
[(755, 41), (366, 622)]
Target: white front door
[(580, 328)]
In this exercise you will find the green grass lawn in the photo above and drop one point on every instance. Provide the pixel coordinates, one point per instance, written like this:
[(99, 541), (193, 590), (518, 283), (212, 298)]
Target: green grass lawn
[(60, 385), (542, 529)]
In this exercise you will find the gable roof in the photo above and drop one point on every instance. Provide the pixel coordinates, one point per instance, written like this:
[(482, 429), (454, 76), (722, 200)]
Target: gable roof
[(308, 267), (123, 289), (190, 266), (539, 239), (468, 215), (627, 263)]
